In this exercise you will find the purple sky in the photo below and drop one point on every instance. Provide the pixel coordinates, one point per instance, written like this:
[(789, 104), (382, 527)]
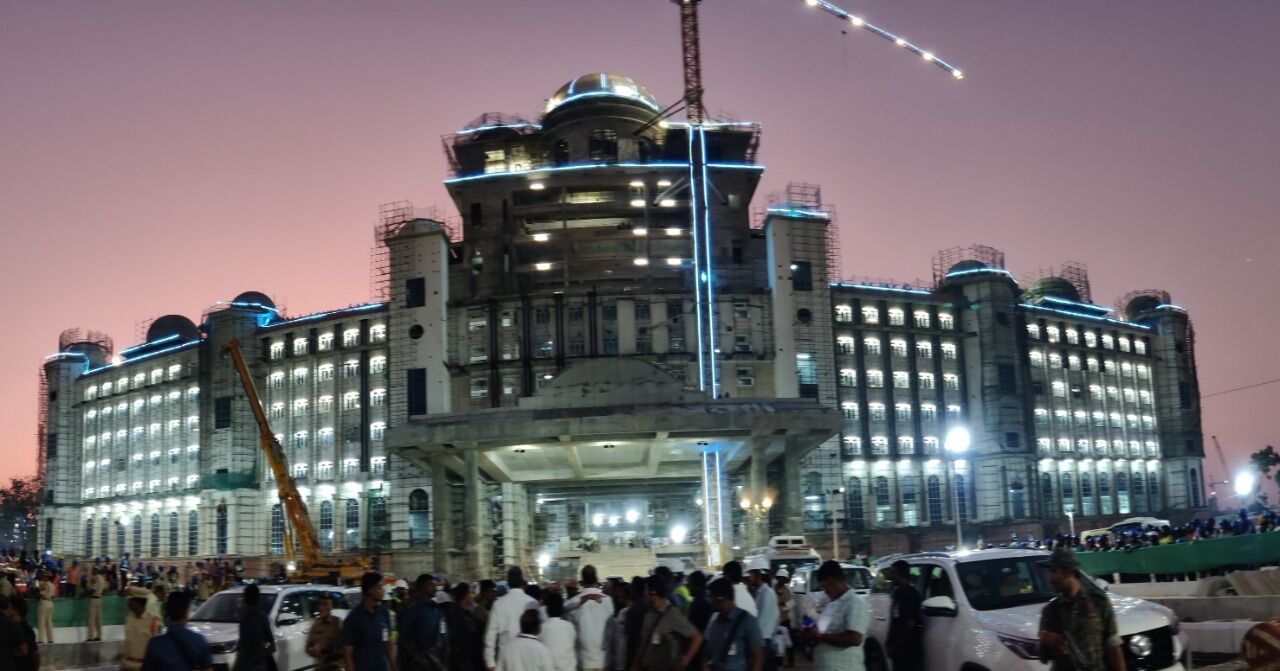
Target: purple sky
[(158, 156)]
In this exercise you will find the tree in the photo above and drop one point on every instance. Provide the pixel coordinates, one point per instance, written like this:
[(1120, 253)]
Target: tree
[(18, 504), (1266, 460)]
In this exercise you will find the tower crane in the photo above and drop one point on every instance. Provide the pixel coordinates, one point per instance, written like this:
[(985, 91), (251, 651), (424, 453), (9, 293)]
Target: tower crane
[(1222, 459), (698, 180), (312, 566)]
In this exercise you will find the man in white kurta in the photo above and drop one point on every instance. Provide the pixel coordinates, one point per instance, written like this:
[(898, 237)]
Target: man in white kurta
[(504, 618), (590, 611), (559, 635), (524, 652)]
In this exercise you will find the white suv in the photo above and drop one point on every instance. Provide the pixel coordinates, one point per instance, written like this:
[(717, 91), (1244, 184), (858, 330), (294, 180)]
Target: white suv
[(992, 621), (289, 609)]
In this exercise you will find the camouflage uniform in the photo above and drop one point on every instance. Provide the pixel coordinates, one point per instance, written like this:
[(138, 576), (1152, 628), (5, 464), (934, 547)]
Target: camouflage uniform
[(1087, 623)]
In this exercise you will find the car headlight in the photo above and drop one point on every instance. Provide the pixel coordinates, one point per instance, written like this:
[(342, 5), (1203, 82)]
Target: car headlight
[(222, 648), (1025, 648), (1141, 645)]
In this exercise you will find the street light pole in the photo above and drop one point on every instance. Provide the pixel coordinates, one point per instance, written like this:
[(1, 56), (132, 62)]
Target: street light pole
[(1071, 521), (957, 442)]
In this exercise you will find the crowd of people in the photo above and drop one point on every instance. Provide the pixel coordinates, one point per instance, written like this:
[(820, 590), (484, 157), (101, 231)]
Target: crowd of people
[(735, 621), (1136, 538)]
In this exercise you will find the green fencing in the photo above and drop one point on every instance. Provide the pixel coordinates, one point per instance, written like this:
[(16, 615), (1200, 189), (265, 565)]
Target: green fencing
[(1186, 557), (74, 612)]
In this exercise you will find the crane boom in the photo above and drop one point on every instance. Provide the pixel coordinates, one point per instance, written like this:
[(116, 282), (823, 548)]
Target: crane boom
[(691, 51), (295, 509), (1222, 459)]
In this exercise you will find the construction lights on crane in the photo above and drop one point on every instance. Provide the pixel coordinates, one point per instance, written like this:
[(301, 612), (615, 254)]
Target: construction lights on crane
[(859, 22)]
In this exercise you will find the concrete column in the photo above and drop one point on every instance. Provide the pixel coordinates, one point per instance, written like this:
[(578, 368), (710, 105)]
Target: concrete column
[(793, 494), (473, 515), (758, 529), (442, 526)]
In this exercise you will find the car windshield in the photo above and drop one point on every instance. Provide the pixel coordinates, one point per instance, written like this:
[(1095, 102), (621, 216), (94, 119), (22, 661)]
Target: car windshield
[(995, 584), (793, 564), (858, 578), (225, 607)]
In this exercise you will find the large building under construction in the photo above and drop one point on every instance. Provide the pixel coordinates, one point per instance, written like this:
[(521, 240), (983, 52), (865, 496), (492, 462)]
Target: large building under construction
[(541, 382)]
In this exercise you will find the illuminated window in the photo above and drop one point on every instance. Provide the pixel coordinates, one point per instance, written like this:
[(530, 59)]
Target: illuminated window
[(870, 315), (1073, 337), (876, 411), (906, 445), (377, 397), (897, 317), (1073, 362), (1044, 445), (277, 351), (1108, 342), (299, 346), (324, 470), (378, 365), (1090, 339), (898, 347), (951, 382), (1042, 417), (849, 409), (844, 313), (1124, 344), (926, 380), (351, 369), (377, 333), (1059, 389), (377, 430), (1053, 333), (275, 380), (853, 445), (1033, 331), (953, 412), (902, 412), (921, 318), (930, 445), (324, 372), (351, 400), (300, 439), (875, 379), (924, 349), (946, 321), (479, 386), (848, 377), (324, 342), (299, 375), (871, 346), (1064, 445), (1140, 347), (351, 337), (324, 437), (879, 445), (928, 412), (949, 351), (844, 345), (301, 406), (1037, 359), (324, 404), (901, 380)]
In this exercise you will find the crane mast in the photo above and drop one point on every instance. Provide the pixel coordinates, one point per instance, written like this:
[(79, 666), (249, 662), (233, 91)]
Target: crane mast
[(691, 49), (290, 501)]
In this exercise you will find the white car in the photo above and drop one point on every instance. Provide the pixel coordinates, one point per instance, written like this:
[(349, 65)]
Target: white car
[(289, 609), (992, 621), (809, 599)]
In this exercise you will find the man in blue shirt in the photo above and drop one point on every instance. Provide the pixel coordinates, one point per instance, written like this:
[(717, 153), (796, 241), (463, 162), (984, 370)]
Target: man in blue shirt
[(178, 647), (420, 628), (366, 632), (733, 641)]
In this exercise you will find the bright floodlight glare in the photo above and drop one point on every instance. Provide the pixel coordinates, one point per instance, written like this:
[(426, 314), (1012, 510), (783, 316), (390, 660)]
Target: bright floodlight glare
[(542, 265), (811, 3), (678, 534), (543, 560), (597, 519), (637, 183), (667, 202), (664, 182), (766, 503), (673, 231), (957, 74), (541, 237), (640, 231), (745, 503), (537, 186), (632, 516), (641, 261), (900, 42), (673, 261), (856, 20), (927, 56), (957, 440), (637, 203), (1244, 483), (291, 566), (613, 520)]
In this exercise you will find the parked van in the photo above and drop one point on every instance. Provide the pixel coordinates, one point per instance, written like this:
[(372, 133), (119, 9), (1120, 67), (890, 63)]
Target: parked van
[(783, 552)]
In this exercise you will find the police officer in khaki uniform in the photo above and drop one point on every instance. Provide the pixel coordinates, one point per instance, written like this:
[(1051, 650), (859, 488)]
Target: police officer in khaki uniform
[(46, 590), (324, 639), (139, 628), (1078, 627), (97, 588)]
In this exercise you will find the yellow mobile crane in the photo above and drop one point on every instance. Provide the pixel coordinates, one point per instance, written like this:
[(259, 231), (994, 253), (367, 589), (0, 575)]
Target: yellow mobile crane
[(312, 566)]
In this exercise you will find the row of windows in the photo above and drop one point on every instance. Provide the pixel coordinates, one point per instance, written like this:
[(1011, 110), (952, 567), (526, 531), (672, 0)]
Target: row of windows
[(1073, 362), (1132, 493), (880, 445), (139, 380), (156, 402), (154, 486), (896, 317), (1091, 339), (325, 372), (324, 437), (1149, 448), (325, 342), (876, 412), (897, 346), (324, 404), (908, 501), (1114, 420), (138, 459), (901, 379)]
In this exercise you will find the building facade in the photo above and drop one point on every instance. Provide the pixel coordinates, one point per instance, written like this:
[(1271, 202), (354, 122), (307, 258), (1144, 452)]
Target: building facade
[(529, 383)]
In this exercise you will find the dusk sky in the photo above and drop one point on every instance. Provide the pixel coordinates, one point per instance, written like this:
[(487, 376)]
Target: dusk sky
[(156, 157)]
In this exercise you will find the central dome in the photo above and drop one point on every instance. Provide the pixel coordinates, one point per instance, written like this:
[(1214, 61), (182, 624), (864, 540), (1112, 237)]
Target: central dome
[(602, 84)]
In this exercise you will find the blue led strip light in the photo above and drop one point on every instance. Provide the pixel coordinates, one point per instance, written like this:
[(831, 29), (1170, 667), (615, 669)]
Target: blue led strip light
[(512, 126), (707, 246), (148, 355), (859, 22), (979, 271), (1077, 304), (1084, 315), (845, 285), (322, 315), (811, 214), (562, 168), (697, 268), (126, 351)]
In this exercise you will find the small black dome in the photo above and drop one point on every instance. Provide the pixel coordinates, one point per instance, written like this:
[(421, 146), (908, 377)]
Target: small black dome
[(1141, 305), (172, 325), (1056, 287), (255, 298), (968, 264)]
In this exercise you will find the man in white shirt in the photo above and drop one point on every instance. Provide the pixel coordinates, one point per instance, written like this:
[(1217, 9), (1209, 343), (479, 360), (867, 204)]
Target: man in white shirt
[(504, 618), (841, 626), (524, 652), (558, 634), (767, 612), (741, 595), (590, 611)]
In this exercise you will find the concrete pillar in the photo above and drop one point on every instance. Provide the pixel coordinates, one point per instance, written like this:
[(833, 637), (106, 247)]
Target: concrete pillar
[(473, 515), (443, 527), (758, 527), (792, 492)]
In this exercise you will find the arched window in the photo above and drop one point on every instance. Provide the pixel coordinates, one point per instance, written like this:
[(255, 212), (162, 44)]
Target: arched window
[(1139, 497), (1104, 493), (853, 503), (1017, 500), (220, 524), (910, 501), (560, 153), (1046, 495), (933, 490), (1087, 507), (137, 535), (277, 530), (173, 534), (104, 534), (326, 526), (1122, 494), (1153, 490), (193, 533), (602, 146), (379, 531), (1193, 486), (155, 535), (88, 538), (814, 510), (883, 504), (963, 497), (120, 547), (1068, 493), (353, 524), (419, 518)]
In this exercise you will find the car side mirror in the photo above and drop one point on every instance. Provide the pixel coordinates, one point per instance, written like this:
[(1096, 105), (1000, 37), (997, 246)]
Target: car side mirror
[(940, 606), (287, 619), (1102, 584)]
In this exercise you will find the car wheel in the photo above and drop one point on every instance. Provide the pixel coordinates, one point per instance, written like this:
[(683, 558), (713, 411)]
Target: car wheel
[(875, 658)]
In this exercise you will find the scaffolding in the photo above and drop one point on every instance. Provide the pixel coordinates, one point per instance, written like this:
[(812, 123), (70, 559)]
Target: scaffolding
[(946, 259), (1075, 273), (77, 336), (1153, 297), (480, 126)]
